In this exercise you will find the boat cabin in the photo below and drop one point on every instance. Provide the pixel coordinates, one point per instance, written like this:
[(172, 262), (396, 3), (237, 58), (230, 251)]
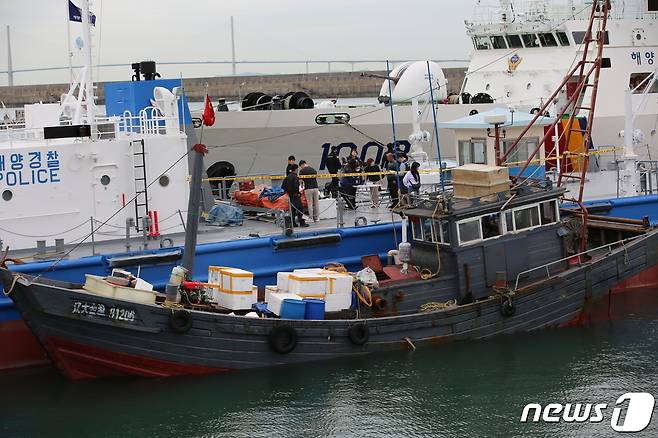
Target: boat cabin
[(484, 241)]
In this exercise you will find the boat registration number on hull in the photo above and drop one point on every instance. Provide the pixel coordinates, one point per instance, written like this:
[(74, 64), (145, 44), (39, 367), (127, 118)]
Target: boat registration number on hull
[(98, 309)]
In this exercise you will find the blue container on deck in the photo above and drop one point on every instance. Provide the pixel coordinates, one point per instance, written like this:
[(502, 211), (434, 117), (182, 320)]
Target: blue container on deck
[(314, 308), (293, 309)]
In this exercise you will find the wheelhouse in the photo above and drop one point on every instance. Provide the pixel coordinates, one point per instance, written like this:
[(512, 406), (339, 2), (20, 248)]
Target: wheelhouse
[(480, 240)]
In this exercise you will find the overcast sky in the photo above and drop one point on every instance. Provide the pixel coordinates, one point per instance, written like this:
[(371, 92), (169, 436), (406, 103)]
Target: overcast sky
[(198, 30)]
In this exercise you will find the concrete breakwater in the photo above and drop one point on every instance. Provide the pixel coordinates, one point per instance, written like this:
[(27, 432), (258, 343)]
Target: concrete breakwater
[(317, 85)]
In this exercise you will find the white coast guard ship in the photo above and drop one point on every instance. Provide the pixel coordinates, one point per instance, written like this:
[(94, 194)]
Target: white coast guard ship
[(522, 51), (67, 171)]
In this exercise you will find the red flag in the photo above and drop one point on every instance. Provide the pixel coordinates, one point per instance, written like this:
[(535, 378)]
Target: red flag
[(208, 116)]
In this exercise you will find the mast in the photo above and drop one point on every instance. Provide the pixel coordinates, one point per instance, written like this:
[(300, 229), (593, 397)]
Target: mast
[(88, 84)]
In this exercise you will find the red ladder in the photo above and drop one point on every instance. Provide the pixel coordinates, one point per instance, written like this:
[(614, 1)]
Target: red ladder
[(585, 70)]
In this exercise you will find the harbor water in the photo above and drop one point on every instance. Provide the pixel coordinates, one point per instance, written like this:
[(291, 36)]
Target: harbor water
[(465, 389)]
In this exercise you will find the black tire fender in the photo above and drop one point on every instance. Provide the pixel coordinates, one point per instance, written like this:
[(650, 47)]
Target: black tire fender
[(358, 334), (507, 307), (180, 320), (282, 339)]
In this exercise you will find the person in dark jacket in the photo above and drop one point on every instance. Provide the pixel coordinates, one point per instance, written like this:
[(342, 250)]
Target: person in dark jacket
[(291, 162), (333, 166), (291, 187), (348, 184), (392, 179)]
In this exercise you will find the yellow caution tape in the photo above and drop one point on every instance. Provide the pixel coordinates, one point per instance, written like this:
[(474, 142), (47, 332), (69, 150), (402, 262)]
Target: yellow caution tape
[(566, 154)]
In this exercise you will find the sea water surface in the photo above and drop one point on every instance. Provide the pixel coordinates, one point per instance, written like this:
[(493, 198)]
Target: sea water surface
[(470, 389)]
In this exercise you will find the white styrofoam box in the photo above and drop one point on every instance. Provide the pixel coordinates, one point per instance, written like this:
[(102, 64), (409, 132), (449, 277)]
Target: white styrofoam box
[(237, 300), (276, 300), (308, 285), (327, 208), (237, 280), (143, 285), (310, 271), (336, 302), (338, 283), (269, 290), (282, 281)]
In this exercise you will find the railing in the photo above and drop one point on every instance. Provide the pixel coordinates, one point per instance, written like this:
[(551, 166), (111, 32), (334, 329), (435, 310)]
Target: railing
[(555, 11), (576, 256), (150, 121), (648, 177)]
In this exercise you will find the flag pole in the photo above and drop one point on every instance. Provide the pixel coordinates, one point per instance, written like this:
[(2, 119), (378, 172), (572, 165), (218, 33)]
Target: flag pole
[(68, 40)]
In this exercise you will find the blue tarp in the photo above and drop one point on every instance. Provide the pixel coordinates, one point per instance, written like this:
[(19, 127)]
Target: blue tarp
[(224, 214), (272, 193)]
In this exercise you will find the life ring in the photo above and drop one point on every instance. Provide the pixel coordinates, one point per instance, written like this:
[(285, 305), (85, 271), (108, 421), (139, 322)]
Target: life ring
[(180, 320), (507, 307), (283, 339), (358, 334)]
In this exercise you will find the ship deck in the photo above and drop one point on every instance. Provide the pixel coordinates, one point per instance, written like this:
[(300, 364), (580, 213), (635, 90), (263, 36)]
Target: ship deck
[(253, 226)]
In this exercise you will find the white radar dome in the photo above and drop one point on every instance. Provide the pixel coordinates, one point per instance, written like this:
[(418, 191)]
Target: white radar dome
[(409, 80)]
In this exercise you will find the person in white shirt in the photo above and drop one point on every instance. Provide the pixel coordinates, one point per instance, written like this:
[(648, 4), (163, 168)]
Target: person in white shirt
[(411, 179)]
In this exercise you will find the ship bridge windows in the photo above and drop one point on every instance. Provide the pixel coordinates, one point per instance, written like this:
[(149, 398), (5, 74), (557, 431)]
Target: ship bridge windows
[(482, 43), (427, 230), (579, 36), (469, 230), (563, 38), (547, 40), (639, 83), (530, 40), (652, 6), (514, 41), (493, 225), (526, 217), (498, 42), (548, 212)]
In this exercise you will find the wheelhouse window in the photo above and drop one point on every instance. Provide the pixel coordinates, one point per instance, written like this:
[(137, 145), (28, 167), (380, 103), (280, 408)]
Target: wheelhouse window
[(579, 36), (547, 40), (514, 41), (472, 151), (421, 229), (530, 40), (639, 78), (428, 230), (526, 217), (563, 38), (482, 43), (492, 225), (498, 42), (442, 230), (469, 230), (549, 212), (652, 6), (509, 221)]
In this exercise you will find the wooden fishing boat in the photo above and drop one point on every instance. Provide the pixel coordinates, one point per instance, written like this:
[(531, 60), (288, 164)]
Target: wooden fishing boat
[(505, 263)]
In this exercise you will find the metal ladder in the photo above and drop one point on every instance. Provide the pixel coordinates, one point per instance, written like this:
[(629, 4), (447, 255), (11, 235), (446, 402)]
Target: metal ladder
[(141, 189), (587, 68)]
